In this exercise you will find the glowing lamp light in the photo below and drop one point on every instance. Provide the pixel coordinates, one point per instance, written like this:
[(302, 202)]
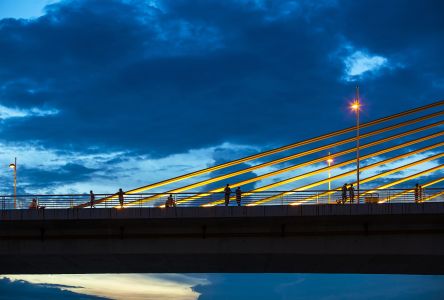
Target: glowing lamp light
[(12, 166), (330, 160), (355, 105)]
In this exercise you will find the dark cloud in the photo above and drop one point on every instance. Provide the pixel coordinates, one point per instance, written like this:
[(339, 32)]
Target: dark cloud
[(163, 78), (223, 155), (23, 290), (184, 75), (67, 174)]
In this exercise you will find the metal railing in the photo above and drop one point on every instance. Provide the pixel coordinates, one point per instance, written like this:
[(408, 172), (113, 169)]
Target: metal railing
[(313, 197)]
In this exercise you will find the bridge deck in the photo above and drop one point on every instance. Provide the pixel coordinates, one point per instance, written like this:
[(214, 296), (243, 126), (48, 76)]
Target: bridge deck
[(378, 238), (222, 212)]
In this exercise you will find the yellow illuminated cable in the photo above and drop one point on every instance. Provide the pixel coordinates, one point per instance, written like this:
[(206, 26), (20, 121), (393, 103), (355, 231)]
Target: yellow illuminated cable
[(314, 161), (270, 152), (379, 176), (395, 196), (267, 187), (207, 181), (404, 179), (363, 169), (318, 171), (287, 147), (431, 197)]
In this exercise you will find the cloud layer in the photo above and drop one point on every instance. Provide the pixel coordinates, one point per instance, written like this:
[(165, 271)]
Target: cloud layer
[(135, 85)]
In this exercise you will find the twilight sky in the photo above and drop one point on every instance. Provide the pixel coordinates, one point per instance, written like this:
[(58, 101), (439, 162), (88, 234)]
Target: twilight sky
[(102, 96), (120, 93)]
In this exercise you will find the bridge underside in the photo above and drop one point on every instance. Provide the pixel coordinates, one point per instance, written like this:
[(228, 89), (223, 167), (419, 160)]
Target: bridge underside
[(369, 238)]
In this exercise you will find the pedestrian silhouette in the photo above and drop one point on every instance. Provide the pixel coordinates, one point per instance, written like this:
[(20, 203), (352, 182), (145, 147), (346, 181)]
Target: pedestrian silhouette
[(33, 204), (91, 199), (238, 196), (417, 191), (351, 192), (227, 191), (120, 194), (170, 201), (344, 193)]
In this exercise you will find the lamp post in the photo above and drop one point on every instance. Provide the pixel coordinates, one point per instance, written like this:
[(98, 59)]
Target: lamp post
[(356, 106), (14, 167), (329, 162)]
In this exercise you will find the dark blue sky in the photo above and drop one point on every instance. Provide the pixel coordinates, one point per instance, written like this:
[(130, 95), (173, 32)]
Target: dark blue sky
[(121, 93), (131, 92)]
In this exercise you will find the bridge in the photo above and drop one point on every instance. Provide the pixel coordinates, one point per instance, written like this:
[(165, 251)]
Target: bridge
[(402, 238), (294, 216)]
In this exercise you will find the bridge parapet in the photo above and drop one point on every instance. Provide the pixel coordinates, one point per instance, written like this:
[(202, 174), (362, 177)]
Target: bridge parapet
[(224, 212), (279, 198)]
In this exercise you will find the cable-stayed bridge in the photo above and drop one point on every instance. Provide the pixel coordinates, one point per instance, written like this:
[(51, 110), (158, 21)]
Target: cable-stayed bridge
[(397, 151), (293, 217)]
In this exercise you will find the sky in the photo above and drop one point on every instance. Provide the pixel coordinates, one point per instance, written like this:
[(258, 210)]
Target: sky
[(121, 93)]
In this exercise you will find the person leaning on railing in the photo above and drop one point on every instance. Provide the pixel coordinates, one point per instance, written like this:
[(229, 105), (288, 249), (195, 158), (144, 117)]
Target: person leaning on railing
[(121, 200), (227, 193), (238, 196), (417, 192), (91, 199), (344, 193), (33, 204), (351, 191), (170, 201)]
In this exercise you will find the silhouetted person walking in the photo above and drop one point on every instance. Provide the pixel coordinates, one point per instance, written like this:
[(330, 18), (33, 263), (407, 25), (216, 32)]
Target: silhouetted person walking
[(91, 198), (120, 194), (344, 193), (238, 196), (417, 192), (351, 192), (227, 191)]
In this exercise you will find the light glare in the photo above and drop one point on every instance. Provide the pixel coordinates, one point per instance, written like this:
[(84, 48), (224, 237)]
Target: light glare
[(356, 105)]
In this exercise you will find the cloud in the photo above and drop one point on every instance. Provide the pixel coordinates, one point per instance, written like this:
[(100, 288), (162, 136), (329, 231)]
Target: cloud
[(6, 112), (121, 286), (225, 154), (173, 68), (360, 62), (136, 91), (42, 170), (164, 77), (21, 289)]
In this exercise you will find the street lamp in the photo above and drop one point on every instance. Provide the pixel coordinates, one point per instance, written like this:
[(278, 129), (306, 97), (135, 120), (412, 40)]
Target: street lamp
[(329, 162), (14, 167), (356, 106)]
